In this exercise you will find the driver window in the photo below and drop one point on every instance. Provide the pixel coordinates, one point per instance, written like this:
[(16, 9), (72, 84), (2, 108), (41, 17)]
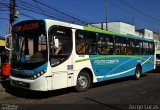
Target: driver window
[(60, 44)]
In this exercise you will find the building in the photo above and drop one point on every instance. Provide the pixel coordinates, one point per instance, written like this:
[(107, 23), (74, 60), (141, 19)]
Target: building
[(122, 28), (119, 27), (156, 36), (145, 33), (125, 28)]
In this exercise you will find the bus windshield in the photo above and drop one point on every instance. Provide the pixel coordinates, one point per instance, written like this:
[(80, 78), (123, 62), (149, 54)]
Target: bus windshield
[(29, 48)]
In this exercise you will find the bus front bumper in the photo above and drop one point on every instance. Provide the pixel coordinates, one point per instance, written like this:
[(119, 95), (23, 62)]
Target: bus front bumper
[(39, 84)]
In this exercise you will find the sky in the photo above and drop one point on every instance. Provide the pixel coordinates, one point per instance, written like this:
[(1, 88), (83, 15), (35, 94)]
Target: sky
[(141, 13)]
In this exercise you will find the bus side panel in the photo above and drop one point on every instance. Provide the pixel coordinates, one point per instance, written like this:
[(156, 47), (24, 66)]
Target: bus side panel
[(148, 65), (111, 66), (116, 66)]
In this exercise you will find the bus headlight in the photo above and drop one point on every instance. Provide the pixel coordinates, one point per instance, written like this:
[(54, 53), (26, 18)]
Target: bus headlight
[(38, 74)]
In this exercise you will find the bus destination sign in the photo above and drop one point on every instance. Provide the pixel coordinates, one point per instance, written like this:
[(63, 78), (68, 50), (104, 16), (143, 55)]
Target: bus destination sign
[(27, 27)]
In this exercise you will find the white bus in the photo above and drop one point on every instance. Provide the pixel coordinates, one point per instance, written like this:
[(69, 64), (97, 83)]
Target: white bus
[(50, 55)]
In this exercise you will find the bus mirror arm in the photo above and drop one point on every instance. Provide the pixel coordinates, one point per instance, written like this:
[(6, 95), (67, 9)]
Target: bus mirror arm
[(7, 42)]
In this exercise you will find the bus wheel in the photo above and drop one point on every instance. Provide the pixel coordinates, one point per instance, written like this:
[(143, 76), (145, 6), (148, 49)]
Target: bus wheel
[(83, 81), (137, 73)]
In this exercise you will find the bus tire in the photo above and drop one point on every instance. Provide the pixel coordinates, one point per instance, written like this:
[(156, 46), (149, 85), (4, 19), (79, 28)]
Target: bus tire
[(83, 81), (138, 73)]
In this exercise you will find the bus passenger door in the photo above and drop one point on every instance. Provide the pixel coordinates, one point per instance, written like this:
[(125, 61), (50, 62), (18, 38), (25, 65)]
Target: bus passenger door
[(61, 56)]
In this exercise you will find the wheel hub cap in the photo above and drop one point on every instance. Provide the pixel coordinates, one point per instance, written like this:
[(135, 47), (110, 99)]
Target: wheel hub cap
[(82, 82)]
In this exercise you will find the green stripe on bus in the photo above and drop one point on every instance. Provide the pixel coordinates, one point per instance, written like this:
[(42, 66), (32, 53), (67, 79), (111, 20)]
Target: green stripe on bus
[(113, 33), (101, 31)]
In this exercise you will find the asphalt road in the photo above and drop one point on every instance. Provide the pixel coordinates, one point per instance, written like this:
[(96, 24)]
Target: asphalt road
[(120, 94)]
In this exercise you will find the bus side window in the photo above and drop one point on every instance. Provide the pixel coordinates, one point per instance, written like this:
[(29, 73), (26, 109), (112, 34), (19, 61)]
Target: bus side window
[(102, 45), (119, 45), (145, 48), (105, 44), (85, 42), (110, 44), (131, 47), (151, 48), (80, 47), (80, 42), (129, 52), (91, 44)]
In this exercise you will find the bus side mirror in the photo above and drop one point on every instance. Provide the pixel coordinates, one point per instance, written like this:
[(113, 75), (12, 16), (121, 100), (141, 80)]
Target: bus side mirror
[(8, 42)]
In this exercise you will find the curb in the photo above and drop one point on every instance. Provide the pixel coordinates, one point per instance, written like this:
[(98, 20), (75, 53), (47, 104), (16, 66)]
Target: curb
[(2, 89)]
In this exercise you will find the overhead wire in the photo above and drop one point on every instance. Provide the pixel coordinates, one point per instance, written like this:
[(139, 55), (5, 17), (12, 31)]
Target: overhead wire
[(53, 11), (38, 12), (74, 18), (75, 15), (137, 10), (4, 18), (27, 16), (136, 15), (131, 13), (46, 13), (35, 10), (143, 16)]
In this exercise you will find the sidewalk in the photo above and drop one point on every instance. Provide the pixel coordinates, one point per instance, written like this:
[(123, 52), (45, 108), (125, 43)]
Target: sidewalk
[(1, 86), (2, 82)]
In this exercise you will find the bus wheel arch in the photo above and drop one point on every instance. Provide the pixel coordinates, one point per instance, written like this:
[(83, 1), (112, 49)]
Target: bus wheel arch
[(138, 72), (84, 80)]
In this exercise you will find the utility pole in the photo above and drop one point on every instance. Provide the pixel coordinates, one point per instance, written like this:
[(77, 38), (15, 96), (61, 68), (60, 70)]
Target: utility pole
[(12, 19), (106, 14)]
